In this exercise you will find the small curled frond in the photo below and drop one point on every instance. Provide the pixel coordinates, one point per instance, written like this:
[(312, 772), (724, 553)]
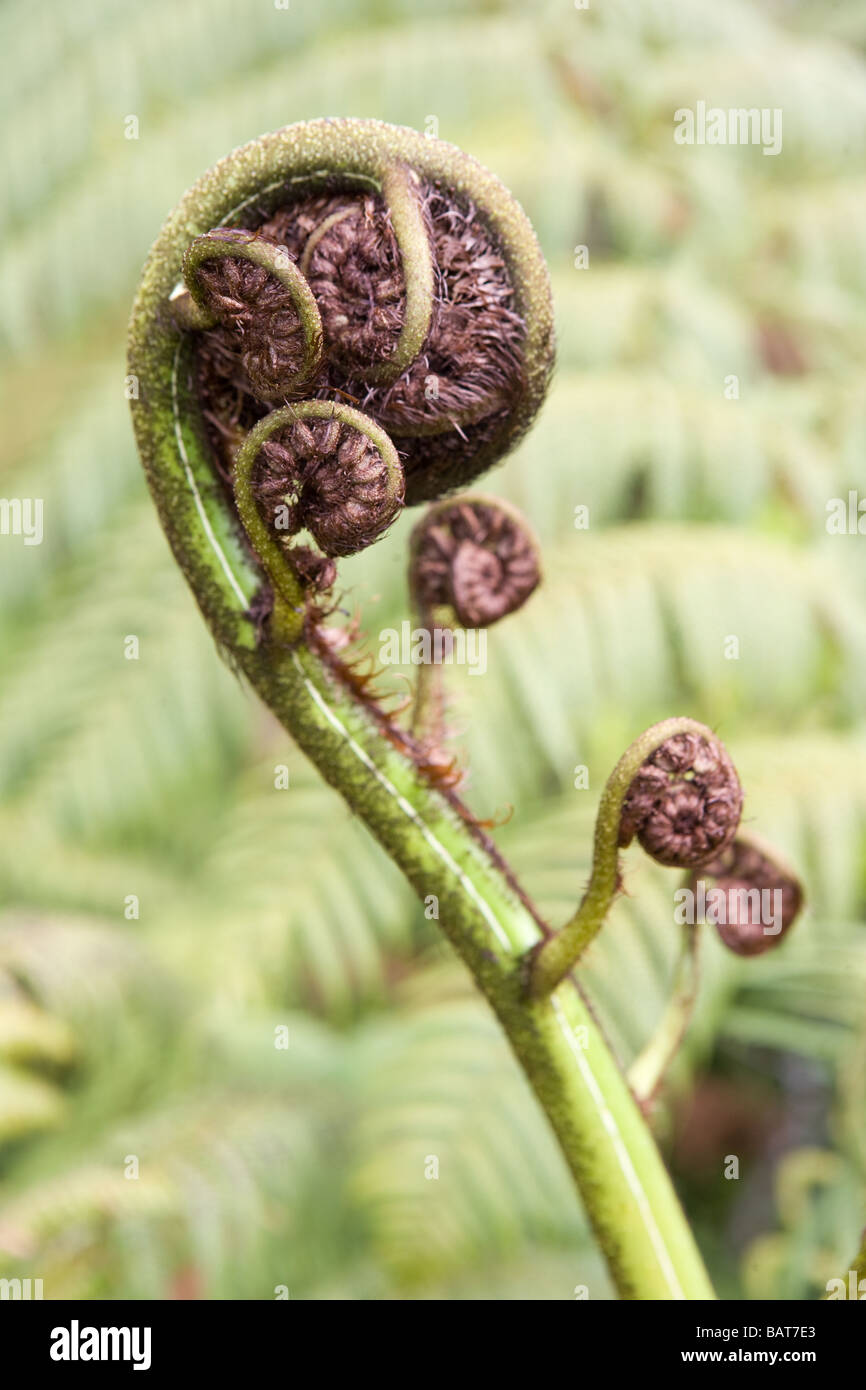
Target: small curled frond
[(318, 467), (685, 801), (361, 273), (323, 467), (474, 560), (676, 790), (251, 286), (758, 897)]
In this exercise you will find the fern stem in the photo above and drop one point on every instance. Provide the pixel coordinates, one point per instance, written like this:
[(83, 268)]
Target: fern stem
[(626, 1189), (627, 1192), (647, 1070), (428, 724), (561, 952)]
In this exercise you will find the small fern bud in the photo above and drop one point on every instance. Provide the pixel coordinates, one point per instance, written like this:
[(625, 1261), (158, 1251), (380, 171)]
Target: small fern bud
[(259, 310), (684, 803), (347, 261), (374, 265), (476, 557), (762, 896), (323, 468)]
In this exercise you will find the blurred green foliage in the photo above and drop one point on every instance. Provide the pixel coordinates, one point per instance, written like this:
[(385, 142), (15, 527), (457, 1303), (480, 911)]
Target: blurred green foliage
[(154, 1038)]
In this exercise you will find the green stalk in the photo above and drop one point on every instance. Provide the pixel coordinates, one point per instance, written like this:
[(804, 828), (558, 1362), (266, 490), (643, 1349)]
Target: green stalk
[(561, 952), (647, 1070), (626, 1189)]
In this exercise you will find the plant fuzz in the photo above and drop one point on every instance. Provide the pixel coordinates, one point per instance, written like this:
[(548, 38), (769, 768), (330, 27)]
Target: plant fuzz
[(450, 403)]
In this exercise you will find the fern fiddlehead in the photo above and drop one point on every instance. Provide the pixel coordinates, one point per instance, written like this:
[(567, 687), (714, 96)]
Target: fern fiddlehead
[(339, 319), (472, 562), (677, 791)]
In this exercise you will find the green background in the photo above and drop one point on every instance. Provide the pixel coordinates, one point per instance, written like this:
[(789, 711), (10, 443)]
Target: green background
[(153, 1038)]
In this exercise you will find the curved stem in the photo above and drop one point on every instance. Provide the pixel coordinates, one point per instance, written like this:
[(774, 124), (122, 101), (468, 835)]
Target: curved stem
[(400, 191), (628, 1195), (427, 712), (629, 1199), (561, 952), (647, 1070), (288, 589), (428, 724), (191, 309)]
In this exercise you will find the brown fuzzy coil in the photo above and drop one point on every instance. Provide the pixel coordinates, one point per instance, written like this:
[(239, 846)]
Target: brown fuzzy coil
[(259, 332), (355, 274), (325, 477), (475, 558), (744, 873), (684, 805), (447, 408)]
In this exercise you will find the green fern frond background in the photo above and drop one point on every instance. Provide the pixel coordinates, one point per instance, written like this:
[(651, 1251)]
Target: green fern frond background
[(236, 1058)]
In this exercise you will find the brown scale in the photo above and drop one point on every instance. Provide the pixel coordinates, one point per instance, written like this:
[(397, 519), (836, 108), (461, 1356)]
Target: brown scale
[(440, 773)]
